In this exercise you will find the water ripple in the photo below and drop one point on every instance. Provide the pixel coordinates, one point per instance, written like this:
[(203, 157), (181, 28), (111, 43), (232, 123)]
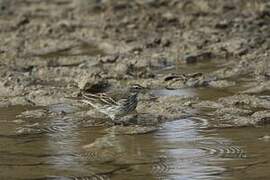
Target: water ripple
[(225, 151), (160, 167), (92, 177)]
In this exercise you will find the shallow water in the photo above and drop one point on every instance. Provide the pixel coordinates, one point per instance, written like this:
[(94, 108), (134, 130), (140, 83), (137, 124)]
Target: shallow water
[(52, 148)]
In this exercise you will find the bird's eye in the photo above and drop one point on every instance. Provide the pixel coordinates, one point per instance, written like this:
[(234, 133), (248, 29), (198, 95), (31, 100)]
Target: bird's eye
[(136, 87)]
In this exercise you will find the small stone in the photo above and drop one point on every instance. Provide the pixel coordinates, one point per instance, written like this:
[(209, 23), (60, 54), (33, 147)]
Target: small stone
[(132, 130), (265, 138), (93, 85), (261, 117), (39, 113), (197, 57), (221, 84)]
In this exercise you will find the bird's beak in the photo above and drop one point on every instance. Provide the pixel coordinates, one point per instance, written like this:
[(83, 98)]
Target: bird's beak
[(145, 89)]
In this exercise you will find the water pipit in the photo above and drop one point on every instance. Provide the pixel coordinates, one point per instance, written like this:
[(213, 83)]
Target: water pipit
[(115, 107)]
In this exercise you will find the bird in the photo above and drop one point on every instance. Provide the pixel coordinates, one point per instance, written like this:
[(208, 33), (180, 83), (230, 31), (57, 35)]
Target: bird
[(114, 108)]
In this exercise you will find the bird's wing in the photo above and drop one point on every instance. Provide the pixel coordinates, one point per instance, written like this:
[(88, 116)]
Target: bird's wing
[(122, 101), (101, 98), (128, 99)]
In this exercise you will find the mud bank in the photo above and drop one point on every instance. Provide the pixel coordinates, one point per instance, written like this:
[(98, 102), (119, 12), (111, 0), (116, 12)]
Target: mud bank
[(52, 50)]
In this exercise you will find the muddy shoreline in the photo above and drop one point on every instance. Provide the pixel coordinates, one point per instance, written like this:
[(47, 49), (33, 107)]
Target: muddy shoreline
[(218, 49)]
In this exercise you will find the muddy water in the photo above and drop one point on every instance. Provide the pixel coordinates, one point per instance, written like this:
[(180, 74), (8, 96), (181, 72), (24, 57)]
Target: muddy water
[(75, 50), (52, 148)]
